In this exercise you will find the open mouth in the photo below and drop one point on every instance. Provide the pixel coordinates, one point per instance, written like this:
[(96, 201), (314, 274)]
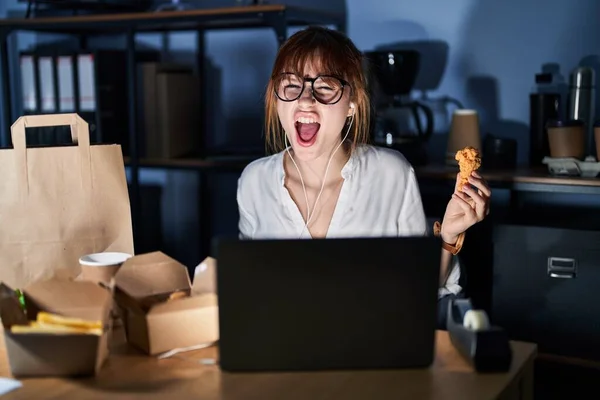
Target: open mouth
[(307, 132)]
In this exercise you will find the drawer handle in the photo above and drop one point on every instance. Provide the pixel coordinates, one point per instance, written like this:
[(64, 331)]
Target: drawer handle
[(561, 276), (562, 268)]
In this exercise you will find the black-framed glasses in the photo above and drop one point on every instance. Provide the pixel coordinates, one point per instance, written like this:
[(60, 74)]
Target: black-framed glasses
[(326, 89)]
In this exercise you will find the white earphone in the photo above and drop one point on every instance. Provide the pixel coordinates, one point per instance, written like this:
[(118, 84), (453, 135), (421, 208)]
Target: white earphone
[(309, 215)]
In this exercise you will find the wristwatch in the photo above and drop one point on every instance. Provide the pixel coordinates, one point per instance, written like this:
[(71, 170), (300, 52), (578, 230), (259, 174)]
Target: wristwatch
[(453, 249)]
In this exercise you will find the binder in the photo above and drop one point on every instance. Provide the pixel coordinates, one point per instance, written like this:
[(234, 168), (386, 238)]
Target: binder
[(86, 93), (28, 86), (47, 84), (66, 84), (86, 82)]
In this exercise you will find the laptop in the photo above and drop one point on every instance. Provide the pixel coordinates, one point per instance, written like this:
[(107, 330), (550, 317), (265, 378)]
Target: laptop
[(327, 304)]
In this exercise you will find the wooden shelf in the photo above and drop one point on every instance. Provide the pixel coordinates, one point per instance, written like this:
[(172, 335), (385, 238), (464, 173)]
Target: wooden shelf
[(213, 18)]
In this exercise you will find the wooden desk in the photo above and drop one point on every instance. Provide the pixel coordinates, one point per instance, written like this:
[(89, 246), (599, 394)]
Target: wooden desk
[(130, 375)]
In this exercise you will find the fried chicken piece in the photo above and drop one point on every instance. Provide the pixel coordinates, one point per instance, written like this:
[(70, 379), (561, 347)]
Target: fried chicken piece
[(469, 160), (177, 295)]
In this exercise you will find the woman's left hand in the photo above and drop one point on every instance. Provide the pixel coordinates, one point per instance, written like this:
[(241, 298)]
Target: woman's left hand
[(466, 207)]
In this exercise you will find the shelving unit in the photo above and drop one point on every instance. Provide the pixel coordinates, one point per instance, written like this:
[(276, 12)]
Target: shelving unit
[(276, 17)]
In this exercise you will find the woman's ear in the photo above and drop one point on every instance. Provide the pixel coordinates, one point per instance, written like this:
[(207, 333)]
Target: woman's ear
[(351, 110)]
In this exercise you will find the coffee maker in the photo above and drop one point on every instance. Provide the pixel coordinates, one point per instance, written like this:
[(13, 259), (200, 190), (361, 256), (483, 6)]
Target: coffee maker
[(399, 122)]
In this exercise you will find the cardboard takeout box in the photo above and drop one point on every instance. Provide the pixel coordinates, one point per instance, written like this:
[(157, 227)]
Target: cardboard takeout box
[(56, 354), (162, 309)]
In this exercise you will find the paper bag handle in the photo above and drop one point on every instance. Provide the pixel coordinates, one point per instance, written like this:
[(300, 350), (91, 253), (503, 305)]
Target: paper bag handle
[(79, 128), (80, 134)]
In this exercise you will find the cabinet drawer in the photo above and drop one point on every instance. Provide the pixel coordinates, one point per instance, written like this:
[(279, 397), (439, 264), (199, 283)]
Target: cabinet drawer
[(546, 288)]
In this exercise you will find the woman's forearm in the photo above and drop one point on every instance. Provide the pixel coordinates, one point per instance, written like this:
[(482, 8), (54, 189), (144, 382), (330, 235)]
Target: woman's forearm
[(445, 261)]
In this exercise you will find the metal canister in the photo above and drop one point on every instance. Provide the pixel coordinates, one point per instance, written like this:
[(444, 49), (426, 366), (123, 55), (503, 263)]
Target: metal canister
[(582, 101)]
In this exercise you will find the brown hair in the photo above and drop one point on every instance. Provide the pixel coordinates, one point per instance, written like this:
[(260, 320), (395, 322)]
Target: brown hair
[(335, 54)]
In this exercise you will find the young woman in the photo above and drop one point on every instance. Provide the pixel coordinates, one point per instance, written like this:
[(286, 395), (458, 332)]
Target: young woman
[(324, 180)]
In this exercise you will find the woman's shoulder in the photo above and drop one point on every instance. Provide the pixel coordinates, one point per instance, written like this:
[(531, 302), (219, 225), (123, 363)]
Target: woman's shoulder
[(260, 166), (382, 160), (260, 176)]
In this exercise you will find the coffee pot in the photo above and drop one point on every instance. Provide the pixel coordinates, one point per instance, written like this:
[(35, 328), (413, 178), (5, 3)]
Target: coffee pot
[(400, 123)]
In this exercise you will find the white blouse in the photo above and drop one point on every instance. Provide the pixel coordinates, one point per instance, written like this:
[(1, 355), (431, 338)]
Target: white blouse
[(379, 197)]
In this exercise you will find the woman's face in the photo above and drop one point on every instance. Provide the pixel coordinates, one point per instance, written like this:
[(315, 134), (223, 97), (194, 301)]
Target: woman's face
[(313, 129)]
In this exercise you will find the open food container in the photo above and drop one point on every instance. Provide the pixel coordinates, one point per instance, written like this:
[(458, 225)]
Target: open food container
[(62, 329), (162, 309)]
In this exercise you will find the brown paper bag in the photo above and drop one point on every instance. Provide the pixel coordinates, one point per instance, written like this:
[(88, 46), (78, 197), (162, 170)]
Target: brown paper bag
[(59, 203)]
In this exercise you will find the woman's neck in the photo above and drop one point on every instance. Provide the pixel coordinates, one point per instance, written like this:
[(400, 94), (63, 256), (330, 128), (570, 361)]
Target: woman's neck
[(313, 171)]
